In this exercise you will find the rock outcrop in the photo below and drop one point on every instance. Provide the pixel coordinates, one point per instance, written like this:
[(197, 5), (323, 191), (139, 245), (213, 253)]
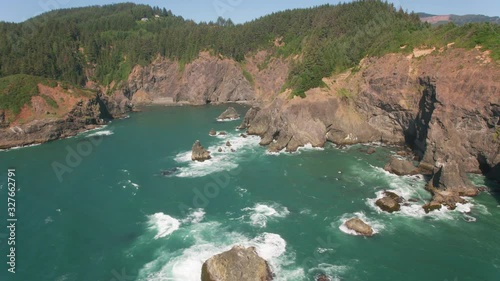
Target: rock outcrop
[(400, 167), (212, 132), (249, 116), (199, 153), (322, 277), (77, 116), (359, 226), (239, 263), (445, 106), (229, 114), (388, 204), (208, 79)]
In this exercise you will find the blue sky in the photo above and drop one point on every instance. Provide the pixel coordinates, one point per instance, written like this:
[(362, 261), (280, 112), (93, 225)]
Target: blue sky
[(241, 10)]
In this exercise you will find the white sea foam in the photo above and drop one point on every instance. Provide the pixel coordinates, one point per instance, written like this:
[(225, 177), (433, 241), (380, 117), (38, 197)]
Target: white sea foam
[(100, 133), (228, 119), (221, 161), (186, 264), (260, 214), (163, 224), (133, 184), (241, 191), (413, 187), (412, 209), (306, 147), (20, 147), (375, 224), (195, 217), (332, 271)]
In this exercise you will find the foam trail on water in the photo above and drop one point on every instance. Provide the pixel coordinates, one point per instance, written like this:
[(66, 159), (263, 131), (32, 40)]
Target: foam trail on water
[(260, 214), (195, 217), (100, 133), (19, 147), (163, 224), (209, 239), (221, 161)]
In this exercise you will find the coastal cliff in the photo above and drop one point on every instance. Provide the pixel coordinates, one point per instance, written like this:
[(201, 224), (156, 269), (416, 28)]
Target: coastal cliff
[(58, 113), (445, 105), (206, 80)]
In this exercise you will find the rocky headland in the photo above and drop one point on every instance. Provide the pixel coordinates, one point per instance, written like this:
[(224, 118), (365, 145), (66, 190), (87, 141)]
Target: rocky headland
[(443, 105)]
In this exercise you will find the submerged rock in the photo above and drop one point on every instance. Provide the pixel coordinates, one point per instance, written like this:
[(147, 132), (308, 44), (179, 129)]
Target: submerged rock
[(229, 114), (429, 207), (400, 167), (359, 226), (199, 153), (371, 150), (169, 172), (239, 263), (322, 277), (244, 136), (388, 204), (212, 132)]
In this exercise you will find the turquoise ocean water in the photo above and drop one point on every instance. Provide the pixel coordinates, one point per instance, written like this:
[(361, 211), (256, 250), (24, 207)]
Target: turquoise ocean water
[(111, 215)]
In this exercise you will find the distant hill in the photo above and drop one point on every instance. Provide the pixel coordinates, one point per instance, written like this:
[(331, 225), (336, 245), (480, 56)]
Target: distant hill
[(459, 20)]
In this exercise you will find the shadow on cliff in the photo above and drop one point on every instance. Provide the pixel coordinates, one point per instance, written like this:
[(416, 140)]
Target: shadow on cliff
[(493, 181)]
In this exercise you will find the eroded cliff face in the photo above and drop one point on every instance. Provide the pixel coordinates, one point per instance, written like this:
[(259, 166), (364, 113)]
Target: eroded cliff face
[(208, 79), (444, 105), (41, 122)]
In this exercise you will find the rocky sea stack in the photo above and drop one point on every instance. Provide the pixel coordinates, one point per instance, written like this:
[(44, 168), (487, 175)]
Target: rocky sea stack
[(199, 153), (239, 263), (390, 203), (359, 226), (229, 114)]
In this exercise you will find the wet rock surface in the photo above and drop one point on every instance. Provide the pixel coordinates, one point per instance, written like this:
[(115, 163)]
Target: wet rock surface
[(239, 263), (359, 226), (229, 114), (199, 153)]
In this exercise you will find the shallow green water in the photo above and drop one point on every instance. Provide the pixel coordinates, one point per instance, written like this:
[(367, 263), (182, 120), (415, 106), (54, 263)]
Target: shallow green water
[(113, 217)]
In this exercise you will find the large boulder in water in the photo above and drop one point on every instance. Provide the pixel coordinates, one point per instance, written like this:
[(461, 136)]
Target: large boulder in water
[(239, 263), (401, 167), (199, 153), (388, 204), (359, 226), (229, 114)]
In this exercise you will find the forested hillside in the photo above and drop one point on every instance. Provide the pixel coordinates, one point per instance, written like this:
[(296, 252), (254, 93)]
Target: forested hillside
[(103, 43)]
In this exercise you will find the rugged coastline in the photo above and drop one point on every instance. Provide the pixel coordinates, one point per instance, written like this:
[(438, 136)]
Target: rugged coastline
[(444, 105)]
